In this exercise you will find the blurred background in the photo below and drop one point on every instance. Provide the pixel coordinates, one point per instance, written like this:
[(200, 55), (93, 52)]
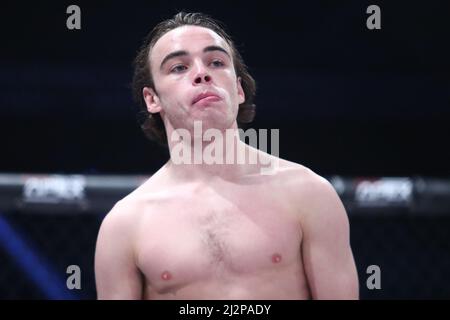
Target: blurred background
[(367, 109)]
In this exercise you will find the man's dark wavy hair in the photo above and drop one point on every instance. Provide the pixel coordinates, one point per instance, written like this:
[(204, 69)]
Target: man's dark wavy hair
[(152, 124)]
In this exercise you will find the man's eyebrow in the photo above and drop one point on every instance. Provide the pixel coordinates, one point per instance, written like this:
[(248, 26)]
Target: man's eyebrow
[(216, 48), (173, 55), (185, 53)]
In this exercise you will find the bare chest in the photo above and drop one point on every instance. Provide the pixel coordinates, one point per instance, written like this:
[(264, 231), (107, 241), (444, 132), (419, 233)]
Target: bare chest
[(203, 239)]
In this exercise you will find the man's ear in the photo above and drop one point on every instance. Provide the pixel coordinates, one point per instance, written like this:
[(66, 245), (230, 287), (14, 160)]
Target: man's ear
[(241, 93), (151, 100)]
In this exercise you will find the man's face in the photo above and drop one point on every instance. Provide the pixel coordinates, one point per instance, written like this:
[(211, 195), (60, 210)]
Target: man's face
[(194, 77)]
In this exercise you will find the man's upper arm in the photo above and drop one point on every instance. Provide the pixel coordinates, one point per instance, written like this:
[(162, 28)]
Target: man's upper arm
[(327, 255), (116, 274)]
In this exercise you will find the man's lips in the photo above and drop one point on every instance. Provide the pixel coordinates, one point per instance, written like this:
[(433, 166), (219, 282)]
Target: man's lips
[(206, 97)]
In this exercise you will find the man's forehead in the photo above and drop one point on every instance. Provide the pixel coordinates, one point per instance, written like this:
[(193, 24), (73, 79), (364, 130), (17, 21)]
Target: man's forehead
[(188, 38)]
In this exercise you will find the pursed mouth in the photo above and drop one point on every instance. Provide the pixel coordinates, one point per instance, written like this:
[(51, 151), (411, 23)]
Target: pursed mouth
[(206, 97)]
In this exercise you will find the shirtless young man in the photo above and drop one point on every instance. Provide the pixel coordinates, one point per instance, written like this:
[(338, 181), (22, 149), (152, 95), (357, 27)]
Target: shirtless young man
[(220, 231)]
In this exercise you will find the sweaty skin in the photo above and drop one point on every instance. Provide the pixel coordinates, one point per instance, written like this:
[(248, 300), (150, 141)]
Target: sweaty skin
[(221, 231)]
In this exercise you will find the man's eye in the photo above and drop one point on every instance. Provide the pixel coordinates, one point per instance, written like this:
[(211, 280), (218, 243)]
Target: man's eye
[(217, 63), (178, 68)]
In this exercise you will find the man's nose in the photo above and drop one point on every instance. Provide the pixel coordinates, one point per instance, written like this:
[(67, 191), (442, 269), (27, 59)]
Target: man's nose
[(202, 78), (202, 75)]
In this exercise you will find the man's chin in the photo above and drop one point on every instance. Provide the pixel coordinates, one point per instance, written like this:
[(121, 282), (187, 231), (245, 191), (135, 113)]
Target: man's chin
[(210, 123)]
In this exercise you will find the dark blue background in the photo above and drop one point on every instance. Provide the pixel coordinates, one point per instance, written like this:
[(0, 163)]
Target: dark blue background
[(347, 100)]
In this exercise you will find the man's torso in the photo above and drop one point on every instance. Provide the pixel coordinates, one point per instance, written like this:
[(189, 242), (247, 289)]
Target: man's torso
[(220, 241)]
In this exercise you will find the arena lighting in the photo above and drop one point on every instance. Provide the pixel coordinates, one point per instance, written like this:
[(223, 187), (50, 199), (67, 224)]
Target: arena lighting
[(33, 264)]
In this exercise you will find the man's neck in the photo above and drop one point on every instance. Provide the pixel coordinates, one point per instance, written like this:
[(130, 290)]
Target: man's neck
[(228, 168), (202, 155)]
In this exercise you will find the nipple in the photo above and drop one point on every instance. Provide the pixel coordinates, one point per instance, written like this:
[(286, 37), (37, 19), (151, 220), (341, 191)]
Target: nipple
[(276, 258), (166, 275)]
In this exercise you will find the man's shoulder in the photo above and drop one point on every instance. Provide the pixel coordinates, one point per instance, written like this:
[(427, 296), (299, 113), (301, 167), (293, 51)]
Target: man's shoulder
[(141, 198), (156, 191), (304, 186), (297, 175), (151, 190)]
